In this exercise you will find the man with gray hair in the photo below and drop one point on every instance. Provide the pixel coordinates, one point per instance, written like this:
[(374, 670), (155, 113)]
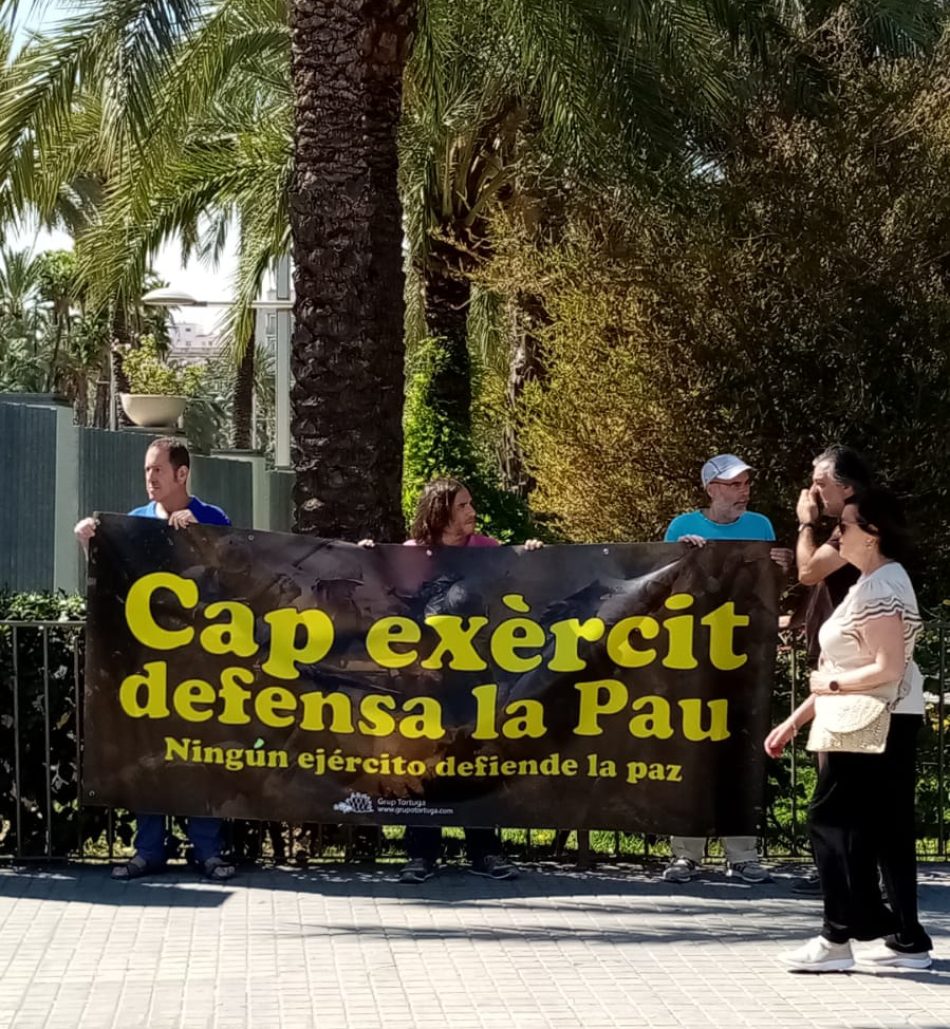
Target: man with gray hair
[(838, 473)]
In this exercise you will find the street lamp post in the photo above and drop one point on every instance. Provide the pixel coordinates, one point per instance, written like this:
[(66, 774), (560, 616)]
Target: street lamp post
[(282, 384), (283, 307)]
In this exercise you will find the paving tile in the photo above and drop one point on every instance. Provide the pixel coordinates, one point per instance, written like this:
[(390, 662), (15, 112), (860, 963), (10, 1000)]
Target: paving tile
[(337, 948)]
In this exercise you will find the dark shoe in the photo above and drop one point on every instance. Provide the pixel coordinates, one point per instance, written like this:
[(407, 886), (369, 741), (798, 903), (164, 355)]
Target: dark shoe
[(749, 872), (680, 870), (136, 868), (218, 870), (494, 867), (416, 871), (808, 886)]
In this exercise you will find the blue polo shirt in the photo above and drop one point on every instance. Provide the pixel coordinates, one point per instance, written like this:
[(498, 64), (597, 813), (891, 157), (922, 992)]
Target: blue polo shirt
[(207, 514), (748, 526)]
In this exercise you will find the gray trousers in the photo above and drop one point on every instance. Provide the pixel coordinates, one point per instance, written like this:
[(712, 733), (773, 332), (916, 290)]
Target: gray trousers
[(738, 848)]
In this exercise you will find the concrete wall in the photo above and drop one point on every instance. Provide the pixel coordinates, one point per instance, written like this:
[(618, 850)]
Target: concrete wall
[(58, 472), (28, 511)]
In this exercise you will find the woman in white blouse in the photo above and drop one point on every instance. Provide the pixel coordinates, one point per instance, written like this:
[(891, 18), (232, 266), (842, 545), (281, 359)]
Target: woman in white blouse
[(861, 816)]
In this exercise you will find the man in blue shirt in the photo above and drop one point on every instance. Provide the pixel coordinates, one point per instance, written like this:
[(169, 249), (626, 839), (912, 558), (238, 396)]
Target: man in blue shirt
[(167, 467), (726, 480)]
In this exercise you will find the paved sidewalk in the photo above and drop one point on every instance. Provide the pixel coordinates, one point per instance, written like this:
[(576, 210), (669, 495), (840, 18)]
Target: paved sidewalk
[(331, 947)]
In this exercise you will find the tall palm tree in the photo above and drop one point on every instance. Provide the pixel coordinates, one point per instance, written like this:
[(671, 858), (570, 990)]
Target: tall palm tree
[(73, 109), (225, 168), (348, 62), (519, 100)]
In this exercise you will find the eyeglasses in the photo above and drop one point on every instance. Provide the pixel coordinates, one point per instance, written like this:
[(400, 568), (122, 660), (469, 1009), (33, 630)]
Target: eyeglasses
[(732, 483), (864, 526)]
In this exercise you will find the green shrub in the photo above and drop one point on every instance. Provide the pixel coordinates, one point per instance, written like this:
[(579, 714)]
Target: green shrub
[(149, 372), (49, 672), (436, 446)]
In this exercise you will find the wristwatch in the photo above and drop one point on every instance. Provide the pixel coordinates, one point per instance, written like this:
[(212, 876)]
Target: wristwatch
[(834, 686), (802, 526)]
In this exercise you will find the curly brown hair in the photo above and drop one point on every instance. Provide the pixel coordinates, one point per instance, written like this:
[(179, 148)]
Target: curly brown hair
[(434, 510)]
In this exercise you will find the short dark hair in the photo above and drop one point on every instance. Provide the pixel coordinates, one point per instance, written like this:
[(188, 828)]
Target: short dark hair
[(178, 456), (848, 467), (880, 512), (434, 510)]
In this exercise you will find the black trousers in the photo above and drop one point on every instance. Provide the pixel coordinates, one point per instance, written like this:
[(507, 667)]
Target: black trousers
[(425, 843), (861, 819)]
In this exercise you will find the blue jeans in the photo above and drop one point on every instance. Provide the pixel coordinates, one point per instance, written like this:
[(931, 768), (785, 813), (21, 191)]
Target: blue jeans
[(425, 842), (204, 834)]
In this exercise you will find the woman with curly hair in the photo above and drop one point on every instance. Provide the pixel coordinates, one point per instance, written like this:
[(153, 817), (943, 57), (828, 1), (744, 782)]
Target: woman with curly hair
[(445, 517)]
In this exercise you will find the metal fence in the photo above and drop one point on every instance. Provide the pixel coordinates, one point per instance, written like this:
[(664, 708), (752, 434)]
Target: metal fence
[(42, 817)]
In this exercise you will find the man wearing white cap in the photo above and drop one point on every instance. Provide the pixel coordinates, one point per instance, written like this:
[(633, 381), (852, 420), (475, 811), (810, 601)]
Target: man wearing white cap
[(726, 479)]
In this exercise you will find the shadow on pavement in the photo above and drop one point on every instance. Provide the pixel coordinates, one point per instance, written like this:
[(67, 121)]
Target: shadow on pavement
[(93, 885), (533, 901), (938, 973)]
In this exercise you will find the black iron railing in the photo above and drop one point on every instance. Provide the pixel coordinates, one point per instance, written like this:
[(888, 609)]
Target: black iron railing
[(42, 816)]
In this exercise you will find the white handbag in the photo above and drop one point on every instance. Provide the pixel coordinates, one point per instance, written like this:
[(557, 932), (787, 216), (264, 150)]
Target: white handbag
[(855, 723)]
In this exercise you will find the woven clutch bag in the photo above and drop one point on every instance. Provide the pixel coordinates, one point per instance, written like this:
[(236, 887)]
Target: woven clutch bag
[(856, 724)]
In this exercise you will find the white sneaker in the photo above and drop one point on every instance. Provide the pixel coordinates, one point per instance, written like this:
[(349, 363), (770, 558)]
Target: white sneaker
[(819, 955), (749, 871), (884, 957), (681, 870)]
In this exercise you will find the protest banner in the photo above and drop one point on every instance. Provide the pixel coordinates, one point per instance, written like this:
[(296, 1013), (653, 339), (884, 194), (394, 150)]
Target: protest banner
[(271, 676)]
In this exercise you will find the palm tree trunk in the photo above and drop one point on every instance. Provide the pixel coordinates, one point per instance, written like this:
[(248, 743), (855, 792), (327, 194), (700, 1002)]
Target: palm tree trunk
[(81, 401), (447, 298), (527, 317), (348, 350), (243, 399), (100, 414), (121, 336)]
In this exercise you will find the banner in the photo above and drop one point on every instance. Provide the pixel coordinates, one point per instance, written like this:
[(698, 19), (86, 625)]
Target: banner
[(271, 676)]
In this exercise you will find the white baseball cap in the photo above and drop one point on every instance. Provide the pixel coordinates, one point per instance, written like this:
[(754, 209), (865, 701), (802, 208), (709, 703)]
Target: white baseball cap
[(723, 466)]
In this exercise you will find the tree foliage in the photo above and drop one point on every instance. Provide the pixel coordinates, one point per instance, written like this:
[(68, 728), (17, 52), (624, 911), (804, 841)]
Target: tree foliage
[(796, 294), (690, 193), (434, 447)]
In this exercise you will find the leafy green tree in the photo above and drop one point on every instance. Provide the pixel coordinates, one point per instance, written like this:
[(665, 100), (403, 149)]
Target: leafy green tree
[(57, 286), (523, 105), (798, 295)]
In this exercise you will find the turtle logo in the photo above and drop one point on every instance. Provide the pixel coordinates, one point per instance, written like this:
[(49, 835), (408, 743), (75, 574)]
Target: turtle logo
[(355, 804)]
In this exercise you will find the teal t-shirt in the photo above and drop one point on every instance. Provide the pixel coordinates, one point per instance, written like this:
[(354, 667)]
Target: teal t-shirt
[(748, 526)]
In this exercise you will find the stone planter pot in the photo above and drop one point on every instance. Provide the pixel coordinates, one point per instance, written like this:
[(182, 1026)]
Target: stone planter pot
[(152, 410)]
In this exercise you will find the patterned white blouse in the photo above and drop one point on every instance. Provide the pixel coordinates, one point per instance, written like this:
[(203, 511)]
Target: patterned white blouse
[(885, 591)]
